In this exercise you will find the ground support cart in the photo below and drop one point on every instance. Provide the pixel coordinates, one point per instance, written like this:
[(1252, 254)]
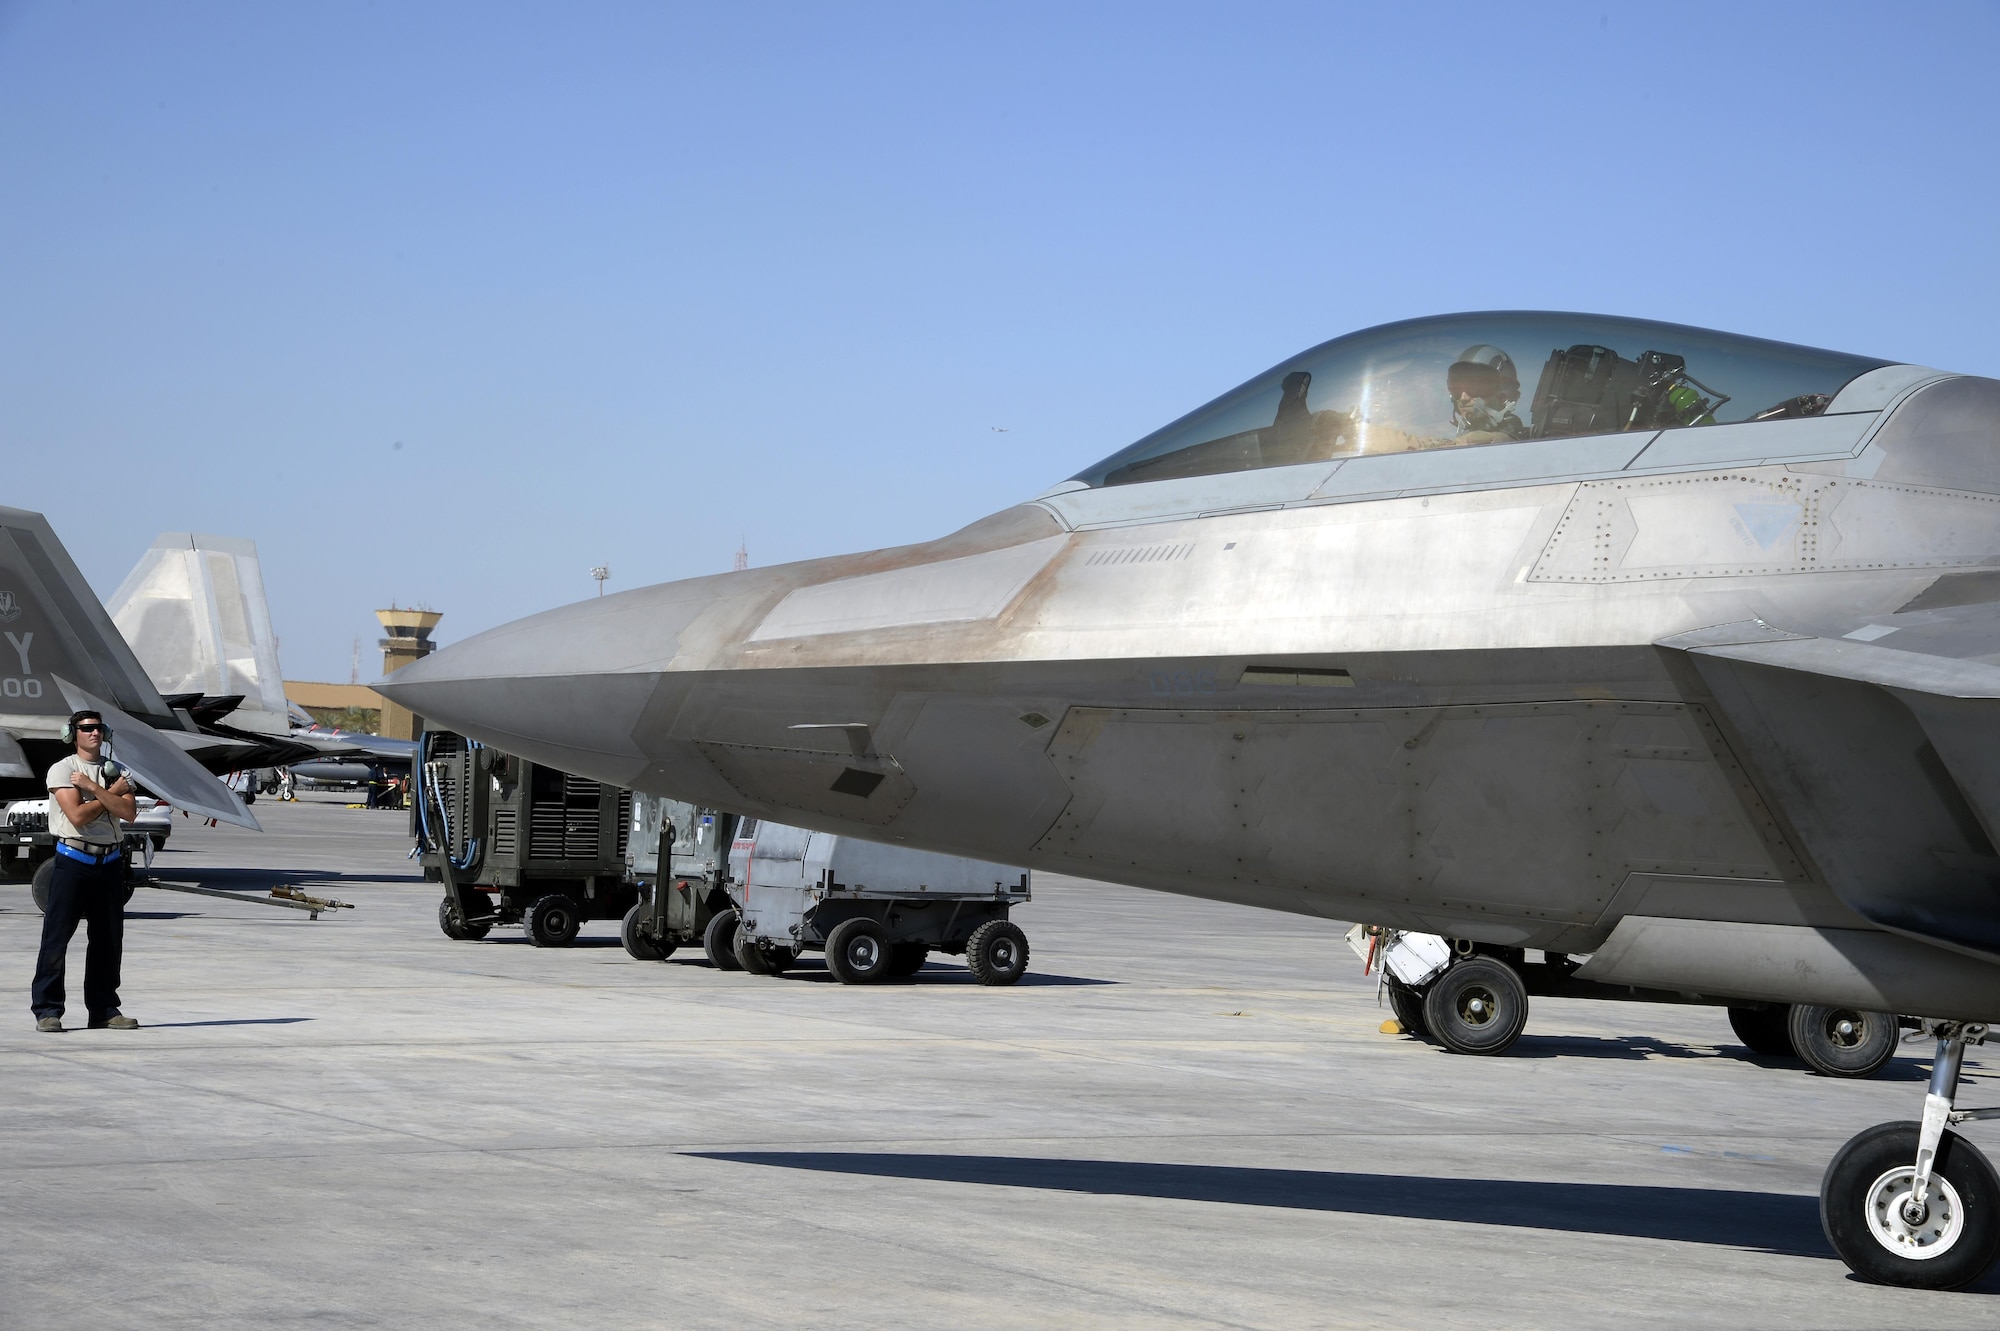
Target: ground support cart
[(680, 859), (876, 911), (516, 842), (1472, 998)]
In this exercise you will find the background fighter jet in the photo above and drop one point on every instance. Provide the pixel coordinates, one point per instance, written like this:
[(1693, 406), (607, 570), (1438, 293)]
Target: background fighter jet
[(196, 615), (64, 652), (1682, 659)]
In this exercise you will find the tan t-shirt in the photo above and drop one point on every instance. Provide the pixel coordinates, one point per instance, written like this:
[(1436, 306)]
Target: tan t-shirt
[(102, 830)]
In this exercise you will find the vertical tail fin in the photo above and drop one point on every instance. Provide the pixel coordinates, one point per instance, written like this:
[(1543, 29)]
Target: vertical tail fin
[(194, 611)]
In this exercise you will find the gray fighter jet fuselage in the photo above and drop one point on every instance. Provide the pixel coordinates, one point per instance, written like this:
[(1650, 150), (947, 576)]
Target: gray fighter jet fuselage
[(1682, 661)]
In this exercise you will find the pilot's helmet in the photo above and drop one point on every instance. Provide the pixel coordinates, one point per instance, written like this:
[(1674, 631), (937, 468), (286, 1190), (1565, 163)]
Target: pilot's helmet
[(1485, 372)]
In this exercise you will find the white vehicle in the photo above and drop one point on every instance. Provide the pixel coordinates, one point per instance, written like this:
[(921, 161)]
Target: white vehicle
[(155, 822), (876, 910), (28, 841)]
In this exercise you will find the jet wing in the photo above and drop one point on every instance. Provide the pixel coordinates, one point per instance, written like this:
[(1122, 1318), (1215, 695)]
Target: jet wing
[(1879, 745), (160, 765)]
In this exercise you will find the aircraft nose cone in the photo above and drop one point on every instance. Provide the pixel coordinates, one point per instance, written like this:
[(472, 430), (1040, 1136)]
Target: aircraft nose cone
[(566, 687)]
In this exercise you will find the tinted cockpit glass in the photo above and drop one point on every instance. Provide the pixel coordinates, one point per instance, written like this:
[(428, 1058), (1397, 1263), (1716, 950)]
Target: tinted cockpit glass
[(1467, 379)]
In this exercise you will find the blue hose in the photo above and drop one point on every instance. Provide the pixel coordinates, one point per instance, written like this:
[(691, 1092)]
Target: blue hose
[(444, 815)]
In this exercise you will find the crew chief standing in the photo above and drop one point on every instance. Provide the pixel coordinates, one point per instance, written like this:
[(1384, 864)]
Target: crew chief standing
[(88, 882)]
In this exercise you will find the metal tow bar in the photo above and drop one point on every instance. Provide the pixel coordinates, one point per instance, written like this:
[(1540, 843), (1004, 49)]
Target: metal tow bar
[(280, 896)]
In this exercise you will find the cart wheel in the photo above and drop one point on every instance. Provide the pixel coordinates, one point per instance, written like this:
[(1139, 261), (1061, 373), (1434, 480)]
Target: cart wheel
[(553, 921), (997, 952), (756, 960), (906, 959), (1843, 1041), (1408, 1005), (719, 940), (457, 930), (45, 874), (857, 951), (1765, 1031), (641, 945), (1950, 1244), (1479, 1006), (159, 840)]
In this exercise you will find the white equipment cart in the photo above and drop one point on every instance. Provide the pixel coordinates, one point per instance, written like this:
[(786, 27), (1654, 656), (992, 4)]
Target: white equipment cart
[(875, 910)]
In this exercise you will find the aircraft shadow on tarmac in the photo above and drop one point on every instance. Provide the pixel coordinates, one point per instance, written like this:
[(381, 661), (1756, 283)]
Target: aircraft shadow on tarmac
[(1759, 1221), (1640, 1047)]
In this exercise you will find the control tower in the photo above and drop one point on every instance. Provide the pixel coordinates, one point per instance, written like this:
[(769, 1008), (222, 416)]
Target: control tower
[(409, 640)]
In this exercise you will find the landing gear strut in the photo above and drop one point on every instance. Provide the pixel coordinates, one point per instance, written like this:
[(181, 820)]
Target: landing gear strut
[(1915, 1204)]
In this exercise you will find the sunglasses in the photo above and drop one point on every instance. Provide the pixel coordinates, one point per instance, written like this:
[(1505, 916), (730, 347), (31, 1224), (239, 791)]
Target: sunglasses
[(92, 728)]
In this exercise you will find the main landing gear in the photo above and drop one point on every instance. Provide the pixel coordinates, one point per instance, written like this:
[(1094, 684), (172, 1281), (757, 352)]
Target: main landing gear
[(1915, 1204)]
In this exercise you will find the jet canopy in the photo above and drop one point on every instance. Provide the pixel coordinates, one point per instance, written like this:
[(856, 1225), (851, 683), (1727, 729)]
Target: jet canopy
[(1460, 380)]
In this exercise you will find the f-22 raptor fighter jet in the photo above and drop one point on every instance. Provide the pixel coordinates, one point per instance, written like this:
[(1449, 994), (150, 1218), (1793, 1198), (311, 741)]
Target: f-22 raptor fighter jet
[(1681, 655)]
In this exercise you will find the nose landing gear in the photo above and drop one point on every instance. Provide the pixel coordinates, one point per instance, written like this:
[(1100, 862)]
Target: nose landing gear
[(1915, 1204)]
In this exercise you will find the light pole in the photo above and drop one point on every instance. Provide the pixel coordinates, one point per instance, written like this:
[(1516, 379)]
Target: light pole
[(601, 572)]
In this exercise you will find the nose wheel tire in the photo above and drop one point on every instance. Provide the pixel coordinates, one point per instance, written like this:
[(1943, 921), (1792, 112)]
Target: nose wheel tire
[(1478, 1006), (1864, 1208), (45, 874), (553, 921), (997, 952), (640, 945), (858, 952), (1764, 1030), (1843, 1042), (456, 929), (719, 940), (906, 959)]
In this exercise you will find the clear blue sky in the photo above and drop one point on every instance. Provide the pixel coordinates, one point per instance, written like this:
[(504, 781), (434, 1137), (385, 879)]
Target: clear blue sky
[(629, 283)]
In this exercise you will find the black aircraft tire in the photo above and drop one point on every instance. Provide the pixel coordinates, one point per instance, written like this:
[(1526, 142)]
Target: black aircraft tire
[(858, 952), (906, 959), (1843, 1042), (1408, 1005), (1765, 1031), (45, 874), (1478, 1006), (1858, 1208), (997, 952), (756, 960), (553, 921), (455, 929), (719, 940), (639, 945)]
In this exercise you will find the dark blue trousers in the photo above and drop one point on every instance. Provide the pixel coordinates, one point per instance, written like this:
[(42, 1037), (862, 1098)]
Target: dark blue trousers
[(79, 893)]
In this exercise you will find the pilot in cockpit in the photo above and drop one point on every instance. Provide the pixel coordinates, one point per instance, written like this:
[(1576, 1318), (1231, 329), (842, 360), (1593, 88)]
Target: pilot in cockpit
[(1484, 387)]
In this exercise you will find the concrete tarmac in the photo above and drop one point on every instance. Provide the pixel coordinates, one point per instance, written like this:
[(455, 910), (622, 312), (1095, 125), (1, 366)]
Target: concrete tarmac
[(1184, 1117)]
